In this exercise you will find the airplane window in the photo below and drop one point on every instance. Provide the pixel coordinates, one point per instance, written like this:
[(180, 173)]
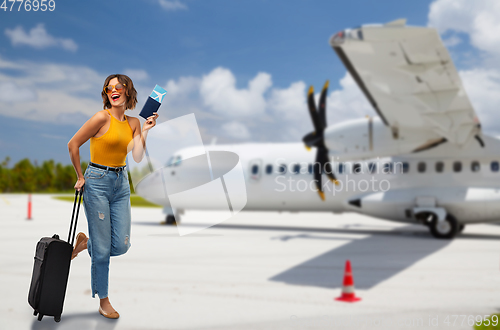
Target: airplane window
[(296, 168), (400, 167), (421, 167), (474, 166), (255, 169), (310, 168), (406, 167), (387, 168), (323, 169), (356, 169), (439, 167), (341, 168), (282, 169), (269, 169), (457, 166), (494, 166), (372, 167)]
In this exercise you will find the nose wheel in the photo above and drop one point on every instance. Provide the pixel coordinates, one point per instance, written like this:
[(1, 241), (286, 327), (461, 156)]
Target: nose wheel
[(170, 220)]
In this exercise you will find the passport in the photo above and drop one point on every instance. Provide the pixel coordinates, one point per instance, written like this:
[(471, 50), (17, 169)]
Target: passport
[(153, 102)]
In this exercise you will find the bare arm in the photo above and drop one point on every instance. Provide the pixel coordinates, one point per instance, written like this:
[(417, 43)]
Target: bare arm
[(140, 136), (89, 129)]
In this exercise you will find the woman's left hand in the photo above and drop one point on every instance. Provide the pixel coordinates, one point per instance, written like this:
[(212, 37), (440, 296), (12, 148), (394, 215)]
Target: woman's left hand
[(150, 122)]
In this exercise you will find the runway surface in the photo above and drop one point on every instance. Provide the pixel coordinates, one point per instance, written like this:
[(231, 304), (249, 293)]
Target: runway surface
[(258, 270)]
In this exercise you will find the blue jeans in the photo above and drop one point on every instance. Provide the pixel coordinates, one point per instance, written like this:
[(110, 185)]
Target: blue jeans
[(106, 200)]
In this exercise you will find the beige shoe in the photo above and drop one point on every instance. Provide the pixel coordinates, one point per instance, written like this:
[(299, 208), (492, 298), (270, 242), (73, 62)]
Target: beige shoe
[(113, 315), (80, 239)]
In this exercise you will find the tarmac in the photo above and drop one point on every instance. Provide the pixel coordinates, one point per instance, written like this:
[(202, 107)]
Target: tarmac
[(258, 270)]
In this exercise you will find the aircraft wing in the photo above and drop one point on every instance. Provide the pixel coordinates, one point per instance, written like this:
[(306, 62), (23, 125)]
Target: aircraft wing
[(409, 78)]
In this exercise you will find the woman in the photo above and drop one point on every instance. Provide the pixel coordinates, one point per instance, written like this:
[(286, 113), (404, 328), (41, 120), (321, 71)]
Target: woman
[(106, 195)]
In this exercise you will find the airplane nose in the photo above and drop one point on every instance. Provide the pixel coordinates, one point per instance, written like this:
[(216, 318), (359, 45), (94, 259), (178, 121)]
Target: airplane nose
[(151, 188)]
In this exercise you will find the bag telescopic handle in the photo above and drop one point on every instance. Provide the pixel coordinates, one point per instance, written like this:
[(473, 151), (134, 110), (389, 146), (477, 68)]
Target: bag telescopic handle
[(71, 227)]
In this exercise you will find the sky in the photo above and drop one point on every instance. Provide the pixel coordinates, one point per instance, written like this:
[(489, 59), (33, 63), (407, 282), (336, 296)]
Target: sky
[(242, 67)]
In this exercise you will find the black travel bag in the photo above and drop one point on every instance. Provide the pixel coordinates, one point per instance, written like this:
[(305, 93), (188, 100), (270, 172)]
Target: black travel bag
[(51, 271)]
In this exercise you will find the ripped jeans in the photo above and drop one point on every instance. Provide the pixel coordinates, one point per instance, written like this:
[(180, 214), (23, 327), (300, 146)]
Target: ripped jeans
[(106, 200)]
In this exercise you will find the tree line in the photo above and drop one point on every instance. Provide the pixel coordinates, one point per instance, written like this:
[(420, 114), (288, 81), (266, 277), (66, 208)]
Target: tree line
[(50, 177)]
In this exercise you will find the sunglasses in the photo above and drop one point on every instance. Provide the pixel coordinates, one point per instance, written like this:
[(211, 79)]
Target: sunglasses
[(119, 87)]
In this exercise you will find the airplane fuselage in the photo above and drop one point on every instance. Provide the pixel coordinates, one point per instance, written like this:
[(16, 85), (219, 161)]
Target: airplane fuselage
[(463, 181)]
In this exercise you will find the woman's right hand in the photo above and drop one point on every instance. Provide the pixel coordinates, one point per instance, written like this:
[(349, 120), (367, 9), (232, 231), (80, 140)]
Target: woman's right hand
[(79, 184)]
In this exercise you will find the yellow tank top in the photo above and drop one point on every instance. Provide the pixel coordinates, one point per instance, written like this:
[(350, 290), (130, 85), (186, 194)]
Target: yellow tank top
[(110, 149)]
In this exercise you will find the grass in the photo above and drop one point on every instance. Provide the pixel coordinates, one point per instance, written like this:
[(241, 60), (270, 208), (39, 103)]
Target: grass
[(490, 326), (135, 201)]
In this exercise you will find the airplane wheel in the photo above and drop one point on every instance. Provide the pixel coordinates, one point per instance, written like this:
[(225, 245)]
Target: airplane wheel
[(461, 228), (170, 220), (444, 229)]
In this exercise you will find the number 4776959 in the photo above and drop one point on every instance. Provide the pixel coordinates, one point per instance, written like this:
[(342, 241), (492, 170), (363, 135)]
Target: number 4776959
[(28, 5)]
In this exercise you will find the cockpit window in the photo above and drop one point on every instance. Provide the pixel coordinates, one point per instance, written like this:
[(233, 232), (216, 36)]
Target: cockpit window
[(174, 161), (169, 161)]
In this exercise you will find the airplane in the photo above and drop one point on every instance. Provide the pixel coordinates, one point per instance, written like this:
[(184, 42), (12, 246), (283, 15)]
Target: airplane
[(424, 159)]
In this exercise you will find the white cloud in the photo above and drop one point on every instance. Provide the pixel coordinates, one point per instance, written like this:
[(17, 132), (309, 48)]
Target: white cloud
[(71, 94), (452, 41), (348, 102), (38, 38), (478, 19), (482, 86), (136, 75), (49, 92), (183, 86), (289, 103), (219, 93), (271, 113), (183, 97), (10, 92), (172, 5), (236, 130)]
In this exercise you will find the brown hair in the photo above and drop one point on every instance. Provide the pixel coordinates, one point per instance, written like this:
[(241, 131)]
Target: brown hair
[(130, 91)]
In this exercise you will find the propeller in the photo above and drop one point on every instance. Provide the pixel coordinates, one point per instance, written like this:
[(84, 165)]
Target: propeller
[(316, 139)]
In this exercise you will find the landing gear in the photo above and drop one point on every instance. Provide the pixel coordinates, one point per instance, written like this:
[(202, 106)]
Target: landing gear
[(170, 220), (173, 216), (446, 229)]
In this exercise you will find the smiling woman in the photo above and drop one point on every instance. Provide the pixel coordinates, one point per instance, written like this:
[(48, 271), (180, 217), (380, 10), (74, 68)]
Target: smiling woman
[(106, 190)]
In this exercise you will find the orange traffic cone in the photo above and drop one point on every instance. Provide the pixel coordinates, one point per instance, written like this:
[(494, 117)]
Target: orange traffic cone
[(348, 286)]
